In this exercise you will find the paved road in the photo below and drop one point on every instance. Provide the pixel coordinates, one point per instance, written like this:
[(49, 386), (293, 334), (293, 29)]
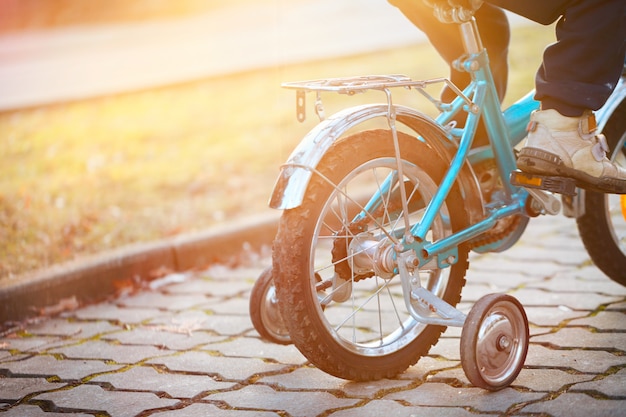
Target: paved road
[(187, 348), (73, 63), (43, 67)]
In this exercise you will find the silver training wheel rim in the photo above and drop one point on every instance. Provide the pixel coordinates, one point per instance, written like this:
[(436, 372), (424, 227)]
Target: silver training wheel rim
[(501, 343)]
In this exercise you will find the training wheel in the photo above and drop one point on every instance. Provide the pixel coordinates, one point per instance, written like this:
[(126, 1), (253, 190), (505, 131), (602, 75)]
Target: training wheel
[(494, 341), (264, 311)]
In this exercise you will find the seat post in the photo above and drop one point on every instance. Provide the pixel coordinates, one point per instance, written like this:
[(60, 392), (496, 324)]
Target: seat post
[(471, 38)]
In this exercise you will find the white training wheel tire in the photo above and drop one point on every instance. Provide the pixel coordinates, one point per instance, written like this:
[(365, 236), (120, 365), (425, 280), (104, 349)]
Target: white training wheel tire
[(494, 341), (264, 310)]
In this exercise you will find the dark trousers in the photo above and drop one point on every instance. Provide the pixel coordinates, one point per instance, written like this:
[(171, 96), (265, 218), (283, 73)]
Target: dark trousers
[(579, 71)]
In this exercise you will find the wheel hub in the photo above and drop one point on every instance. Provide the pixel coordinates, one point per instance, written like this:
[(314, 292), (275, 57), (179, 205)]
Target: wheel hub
[(368, 254), (495, 342), (504, 343)]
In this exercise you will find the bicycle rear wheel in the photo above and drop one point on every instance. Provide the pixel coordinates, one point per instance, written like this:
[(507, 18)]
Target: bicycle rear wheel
[(339, 297)]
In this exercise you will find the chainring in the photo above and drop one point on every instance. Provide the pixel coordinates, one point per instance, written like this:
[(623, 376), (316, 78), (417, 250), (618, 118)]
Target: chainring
[(502, 236)]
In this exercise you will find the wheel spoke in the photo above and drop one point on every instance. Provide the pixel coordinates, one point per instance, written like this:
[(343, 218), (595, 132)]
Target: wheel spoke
[(338, 273)]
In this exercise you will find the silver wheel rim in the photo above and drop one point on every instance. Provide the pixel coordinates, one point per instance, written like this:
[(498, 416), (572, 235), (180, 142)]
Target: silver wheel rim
[(374, 320)]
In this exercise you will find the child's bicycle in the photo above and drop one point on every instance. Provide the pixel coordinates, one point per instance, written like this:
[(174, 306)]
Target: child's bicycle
[(372, 248)]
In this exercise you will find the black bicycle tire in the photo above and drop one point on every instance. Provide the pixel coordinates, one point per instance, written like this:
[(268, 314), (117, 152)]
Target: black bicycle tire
[(593, 226), (291, 264)]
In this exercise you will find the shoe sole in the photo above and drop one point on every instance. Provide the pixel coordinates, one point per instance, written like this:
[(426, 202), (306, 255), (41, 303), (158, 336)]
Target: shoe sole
[(537, 161)]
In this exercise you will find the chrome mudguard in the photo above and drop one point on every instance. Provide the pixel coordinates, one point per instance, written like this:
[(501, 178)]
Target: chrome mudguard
[(296, 173)]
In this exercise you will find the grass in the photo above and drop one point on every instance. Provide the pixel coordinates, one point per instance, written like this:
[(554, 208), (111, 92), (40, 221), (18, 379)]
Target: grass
[(83, 177)]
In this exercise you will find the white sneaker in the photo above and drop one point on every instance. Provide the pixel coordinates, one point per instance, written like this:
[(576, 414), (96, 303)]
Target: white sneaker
[(569, 147)]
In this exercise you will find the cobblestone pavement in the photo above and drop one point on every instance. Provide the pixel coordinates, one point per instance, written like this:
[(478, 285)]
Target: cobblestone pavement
[(186, 347)]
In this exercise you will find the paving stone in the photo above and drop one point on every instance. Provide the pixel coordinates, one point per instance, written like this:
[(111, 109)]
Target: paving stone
[(231, 325), (447, 348), (547, 380), (8, 357), (300, 403), (457, 376), (589, 271), (308, 378), (538, 380), (195, 285), (221, 289), (533, 269), (226, 325), (378, 408), (427, 366), (564, 281), (257, 348), (573, 300), (14, 389), (115, 403), (618, 306), (613, 385), (115, 313), (201, 409), (144, 378), (550, 239), (604, 320), (578, 405), (48, 366), (227, 282), (25, 410), (162, 336), (29, 344), (74, 329), (582, 338), (496, 280), (187, 321), (228, 368), (472, 292), (447, 376), (550, 260), (225, 273), (162, 301), (551, 316), (437, 394), (105, 351), (215, 364), (455, 332), (546, 226), (234, 306), (586, 361)]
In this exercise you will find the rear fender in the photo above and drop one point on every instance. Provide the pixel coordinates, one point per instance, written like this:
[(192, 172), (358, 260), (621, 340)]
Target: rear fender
[(296, 173)]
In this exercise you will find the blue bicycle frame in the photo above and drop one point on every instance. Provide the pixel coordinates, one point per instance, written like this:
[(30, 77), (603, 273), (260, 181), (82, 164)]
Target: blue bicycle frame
[(505, 130), (479, 99)]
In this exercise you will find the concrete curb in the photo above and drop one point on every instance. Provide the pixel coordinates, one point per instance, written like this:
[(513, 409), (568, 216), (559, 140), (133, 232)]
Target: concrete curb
[(96, 278)]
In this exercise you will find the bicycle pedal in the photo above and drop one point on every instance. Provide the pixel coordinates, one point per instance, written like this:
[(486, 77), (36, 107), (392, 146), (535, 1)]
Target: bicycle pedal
[(559, 185)]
